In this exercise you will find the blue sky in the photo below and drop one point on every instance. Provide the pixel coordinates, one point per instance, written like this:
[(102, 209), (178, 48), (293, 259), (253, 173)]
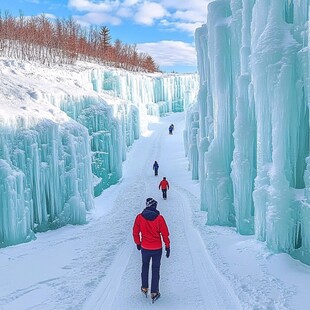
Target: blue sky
[(162, 28)]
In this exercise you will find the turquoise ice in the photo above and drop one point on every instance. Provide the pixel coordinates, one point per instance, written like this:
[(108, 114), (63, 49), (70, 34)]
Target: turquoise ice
[(51, 168), (253, 137)]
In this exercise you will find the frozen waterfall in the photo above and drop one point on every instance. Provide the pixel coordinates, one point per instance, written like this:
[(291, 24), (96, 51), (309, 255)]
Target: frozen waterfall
[(45, 178), (253, 129), (64, 134)]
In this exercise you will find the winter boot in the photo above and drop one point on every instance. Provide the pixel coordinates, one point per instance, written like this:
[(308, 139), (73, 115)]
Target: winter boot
[(155, 296), (144, 291)]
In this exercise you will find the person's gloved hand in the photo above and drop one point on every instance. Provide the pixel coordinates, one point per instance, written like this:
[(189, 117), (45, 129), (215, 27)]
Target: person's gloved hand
[(167, 252), (139, 247)]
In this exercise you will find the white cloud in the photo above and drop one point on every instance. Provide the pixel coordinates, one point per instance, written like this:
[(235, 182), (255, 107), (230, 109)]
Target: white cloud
[(178, 26), (170, 53), (51, 16), (94, 7), (128, 3), (97, 18), (199, 5), (148, 12), (124, 12), (190, 15), (188, 27), (179, 15), (47, 15)]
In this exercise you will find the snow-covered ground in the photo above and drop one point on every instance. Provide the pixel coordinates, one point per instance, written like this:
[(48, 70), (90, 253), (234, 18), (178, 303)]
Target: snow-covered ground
[(97, 266)]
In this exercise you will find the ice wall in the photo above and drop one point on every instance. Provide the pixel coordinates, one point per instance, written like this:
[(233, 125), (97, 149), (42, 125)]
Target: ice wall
[(64, 133), (45, 178), (111, 128), (253, 138), (154, 94)]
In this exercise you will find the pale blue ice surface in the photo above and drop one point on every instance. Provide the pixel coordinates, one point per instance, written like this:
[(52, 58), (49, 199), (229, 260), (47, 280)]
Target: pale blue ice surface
[(252, 135)]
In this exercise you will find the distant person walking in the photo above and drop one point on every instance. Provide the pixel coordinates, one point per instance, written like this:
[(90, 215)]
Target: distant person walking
[(149, 230), (171, 128), (155, 167), (164, 186)]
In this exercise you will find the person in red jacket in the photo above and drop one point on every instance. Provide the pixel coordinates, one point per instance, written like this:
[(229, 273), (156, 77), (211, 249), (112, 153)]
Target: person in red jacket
[(149, 230), (164, 185)]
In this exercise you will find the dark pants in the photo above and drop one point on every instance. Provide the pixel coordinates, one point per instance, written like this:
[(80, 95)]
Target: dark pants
[(156, 171), (146, 257), (164, 193)]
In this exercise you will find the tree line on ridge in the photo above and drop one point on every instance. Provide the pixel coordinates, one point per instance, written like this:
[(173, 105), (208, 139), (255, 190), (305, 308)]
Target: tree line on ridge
[(64, 41)]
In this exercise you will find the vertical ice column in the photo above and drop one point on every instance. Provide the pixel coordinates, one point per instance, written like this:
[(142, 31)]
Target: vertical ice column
[(191, 140), (127, 116), (194, 155), (105, 134), (280, 227), (260, 66), (55, 167), (219, 156), (274, 75), (205, 106), (28, 159), (305, 209), (65, 174), (244, 156), (121, 116), (132, 124), (73, 205), (305, 215), (243, 165), (15, 219)]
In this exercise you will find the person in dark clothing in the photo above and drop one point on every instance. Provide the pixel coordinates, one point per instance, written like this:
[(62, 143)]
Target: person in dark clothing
[(164, 186), (155, 167), (171, 128), (149, 230)]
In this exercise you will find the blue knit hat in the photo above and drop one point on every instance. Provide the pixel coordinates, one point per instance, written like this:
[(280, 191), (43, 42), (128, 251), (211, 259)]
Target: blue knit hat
[(150, 202)]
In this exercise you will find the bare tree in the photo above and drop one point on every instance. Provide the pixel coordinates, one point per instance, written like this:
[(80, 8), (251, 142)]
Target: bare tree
[(64, 41)]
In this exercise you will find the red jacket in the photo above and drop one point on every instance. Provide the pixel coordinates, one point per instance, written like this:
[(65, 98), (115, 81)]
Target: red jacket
[(163, 184), (149, 229)]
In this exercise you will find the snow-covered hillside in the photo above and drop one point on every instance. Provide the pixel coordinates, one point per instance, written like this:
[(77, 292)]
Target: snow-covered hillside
[(64, 133)]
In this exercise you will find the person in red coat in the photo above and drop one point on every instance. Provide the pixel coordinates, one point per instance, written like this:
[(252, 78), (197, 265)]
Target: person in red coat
[(164, 186), (149, 230)]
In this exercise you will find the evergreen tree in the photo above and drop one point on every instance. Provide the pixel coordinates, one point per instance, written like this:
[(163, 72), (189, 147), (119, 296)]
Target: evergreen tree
[(105, 37)]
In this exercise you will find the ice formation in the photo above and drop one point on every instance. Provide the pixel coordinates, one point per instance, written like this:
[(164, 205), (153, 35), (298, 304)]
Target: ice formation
[(64, 134), (253, 136)]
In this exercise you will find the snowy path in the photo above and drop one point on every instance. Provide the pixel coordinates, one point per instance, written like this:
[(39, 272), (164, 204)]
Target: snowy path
[(96, 266), (189, 272)]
